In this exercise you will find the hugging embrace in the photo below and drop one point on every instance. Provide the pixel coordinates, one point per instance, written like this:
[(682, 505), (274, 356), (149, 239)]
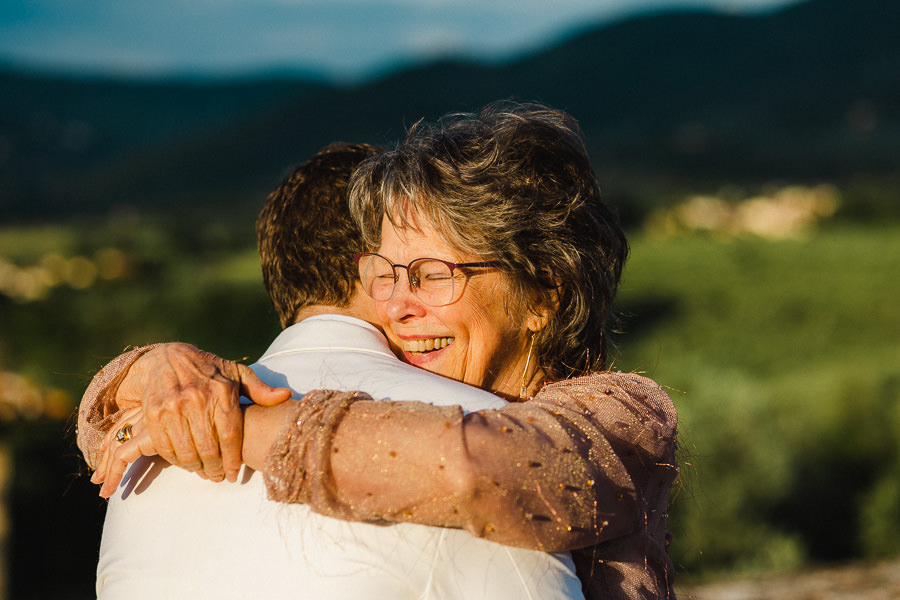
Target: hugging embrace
[(496, 458)]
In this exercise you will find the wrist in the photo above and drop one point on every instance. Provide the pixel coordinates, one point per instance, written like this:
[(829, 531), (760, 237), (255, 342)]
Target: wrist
[(124, 390), (263, 426)]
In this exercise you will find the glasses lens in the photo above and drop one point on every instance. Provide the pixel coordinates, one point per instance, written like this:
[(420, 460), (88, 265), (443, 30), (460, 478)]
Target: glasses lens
[(377, 276), (435, 281)]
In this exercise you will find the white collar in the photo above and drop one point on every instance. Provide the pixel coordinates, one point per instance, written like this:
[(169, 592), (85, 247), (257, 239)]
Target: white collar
[(329, 332)]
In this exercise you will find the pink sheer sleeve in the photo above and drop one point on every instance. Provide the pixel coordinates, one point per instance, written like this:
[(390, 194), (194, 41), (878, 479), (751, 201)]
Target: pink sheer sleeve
[(585, 461), (586, 465), (99, 410)]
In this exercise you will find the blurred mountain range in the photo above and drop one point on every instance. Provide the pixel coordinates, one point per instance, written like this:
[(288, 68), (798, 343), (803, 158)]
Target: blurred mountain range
[(670, 101)]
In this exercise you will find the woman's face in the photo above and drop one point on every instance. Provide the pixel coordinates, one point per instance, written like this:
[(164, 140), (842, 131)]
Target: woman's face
[(485, 346)]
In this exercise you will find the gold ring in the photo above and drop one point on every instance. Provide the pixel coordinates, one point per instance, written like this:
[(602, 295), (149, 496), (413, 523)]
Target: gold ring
[(124, 434)]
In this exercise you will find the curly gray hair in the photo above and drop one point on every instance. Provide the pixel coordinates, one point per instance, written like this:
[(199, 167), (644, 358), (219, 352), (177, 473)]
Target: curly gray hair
[(513, 184)]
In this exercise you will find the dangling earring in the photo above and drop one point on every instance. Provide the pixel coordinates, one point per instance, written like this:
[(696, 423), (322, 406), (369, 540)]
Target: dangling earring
[(523, 391)]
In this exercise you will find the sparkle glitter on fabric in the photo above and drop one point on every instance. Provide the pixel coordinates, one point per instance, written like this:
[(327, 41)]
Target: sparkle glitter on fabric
[(99, 411), (585, 465)]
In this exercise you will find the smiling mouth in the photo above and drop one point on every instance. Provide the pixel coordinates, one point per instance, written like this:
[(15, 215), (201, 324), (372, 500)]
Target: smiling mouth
[(426, 345)]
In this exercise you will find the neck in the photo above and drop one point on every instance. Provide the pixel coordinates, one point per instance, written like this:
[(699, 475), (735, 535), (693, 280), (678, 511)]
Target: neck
[(323, 309), (533, 385), (511, 389), (360, 306)]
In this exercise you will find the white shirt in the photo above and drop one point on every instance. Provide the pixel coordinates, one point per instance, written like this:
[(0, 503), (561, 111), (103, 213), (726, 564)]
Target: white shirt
[(184, 537)]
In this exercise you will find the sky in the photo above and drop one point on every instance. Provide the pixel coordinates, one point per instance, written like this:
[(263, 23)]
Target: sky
[(341, 39)]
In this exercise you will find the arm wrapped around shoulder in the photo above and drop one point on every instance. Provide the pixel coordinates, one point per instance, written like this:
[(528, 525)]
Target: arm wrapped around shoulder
[(586, 460), (627, 430)]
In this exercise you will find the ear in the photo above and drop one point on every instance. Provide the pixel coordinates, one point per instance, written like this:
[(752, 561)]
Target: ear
[(540, 315)]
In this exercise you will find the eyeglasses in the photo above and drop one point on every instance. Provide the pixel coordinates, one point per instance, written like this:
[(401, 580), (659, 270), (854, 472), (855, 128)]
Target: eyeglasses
[(435, 282)]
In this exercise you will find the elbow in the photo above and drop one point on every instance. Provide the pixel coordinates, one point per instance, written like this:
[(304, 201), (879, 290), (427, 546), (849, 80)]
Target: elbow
[(484, 508), (461, 482), (524, 520)]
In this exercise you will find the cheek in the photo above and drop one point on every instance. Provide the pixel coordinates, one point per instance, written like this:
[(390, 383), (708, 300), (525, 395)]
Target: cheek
[(486, 324), (381, 313)]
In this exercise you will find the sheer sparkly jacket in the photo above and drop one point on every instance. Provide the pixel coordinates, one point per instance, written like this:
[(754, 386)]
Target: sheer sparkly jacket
[(585, 465)]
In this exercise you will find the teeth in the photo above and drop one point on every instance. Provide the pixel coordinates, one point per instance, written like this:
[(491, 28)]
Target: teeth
[(426, 345)]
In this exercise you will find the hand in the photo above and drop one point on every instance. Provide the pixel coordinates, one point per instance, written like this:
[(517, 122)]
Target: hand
[(117, 456), (191, 407)]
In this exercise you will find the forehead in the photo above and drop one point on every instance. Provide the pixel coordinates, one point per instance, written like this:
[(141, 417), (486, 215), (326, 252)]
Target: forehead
[(418, 239)]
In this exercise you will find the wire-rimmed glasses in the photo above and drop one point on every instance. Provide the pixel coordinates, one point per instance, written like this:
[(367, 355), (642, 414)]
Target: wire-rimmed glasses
[(434, 281)]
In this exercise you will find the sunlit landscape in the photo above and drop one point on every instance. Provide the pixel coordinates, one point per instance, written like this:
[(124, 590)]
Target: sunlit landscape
[(752, 160), (780, 353)]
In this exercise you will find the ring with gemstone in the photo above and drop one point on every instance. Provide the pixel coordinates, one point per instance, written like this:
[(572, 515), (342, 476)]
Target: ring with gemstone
[(124, 434)]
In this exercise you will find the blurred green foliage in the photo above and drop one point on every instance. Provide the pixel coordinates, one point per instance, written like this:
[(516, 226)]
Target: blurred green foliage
[(180, 281), (784, 362), (781, 356)]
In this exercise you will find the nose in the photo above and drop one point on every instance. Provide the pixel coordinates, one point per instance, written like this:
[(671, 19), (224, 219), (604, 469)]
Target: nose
[(403, 303)]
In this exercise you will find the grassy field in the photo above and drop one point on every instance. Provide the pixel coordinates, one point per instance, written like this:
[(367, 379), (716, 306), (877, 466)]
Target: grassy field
[(782, 356), (784, 360)]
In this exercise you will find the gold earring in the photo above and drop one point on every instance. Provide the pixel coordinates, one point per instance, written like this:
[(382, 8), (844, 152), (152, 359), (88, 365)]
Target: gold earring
[(524, 389)]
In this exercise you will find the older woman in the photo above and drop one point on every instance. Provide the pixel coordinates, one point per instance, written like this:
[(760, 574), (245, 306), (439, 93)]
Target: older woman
[(496, 265)]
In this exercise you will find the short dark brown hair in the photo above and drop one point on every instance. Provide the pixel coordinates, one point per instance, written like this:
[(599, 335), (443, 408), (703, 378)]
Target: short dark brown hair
[(513, 184), (306, 236)]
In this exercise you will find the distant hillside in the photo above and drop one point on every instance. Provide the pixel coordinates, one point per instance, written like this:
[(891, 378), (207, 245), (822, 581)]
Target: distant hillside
[(684, 99)]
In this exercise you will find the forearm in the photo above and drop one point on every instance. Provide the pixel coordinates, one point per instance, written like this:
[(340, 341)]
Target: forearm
[(517, 476), (546, 474), (412, 462), (263, 427)]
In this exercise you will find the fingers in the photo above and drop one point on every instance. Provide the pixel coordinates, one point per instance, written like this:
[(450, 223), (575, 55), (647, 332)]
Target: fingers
[(159, 426), (184, 437), (115, 467), (192, 409), (229, 419), (221, 425), (229, 425), (109, 443), (260, 392), (185, 443), (118, 456), (194, 397)]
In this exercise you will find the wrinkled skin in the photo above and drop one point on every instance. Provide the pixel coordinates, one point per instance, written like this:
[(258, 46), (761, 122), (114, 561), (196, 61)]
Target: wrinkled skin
[(190, 413)]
